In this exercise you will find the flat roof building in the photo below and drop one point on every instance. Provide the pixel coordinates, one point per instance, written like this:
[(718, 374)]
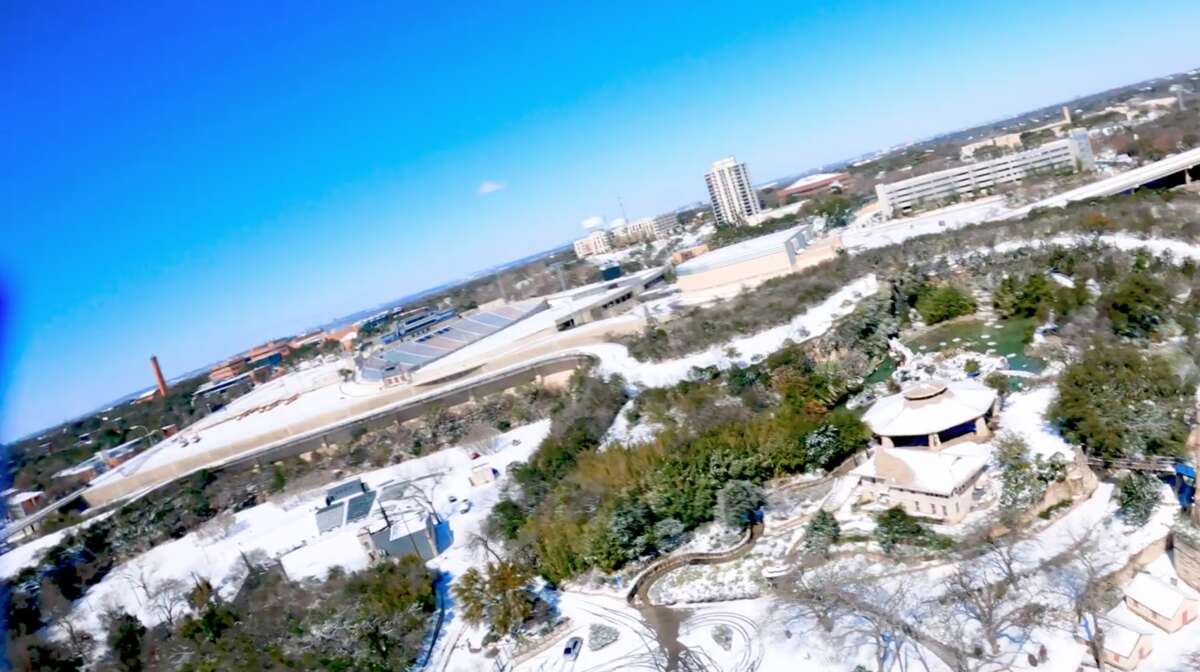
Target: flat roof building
[(975, 179), (730, 192), (756, 260)]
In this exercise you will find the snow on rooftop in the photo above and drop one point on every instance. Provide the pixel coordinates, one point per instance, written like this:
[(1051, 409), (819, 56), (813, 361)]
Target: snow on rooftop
[(1159, 596), (929, 408), (812, 179), (935, 471), (1122, 630)]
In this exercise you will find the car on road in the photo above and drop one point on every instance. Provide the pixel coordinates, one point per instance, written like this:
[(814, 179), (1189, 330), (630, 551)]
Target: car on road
[(571, 651)]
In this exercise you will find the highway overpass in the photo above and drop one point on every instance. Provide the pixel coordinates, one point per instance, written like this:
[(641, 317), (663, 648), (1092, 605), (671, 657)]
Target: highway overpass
[(1184, 167)]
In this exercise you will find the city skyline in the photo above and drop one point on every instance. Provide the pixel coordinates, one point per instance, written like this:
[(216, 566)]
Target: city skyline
[(219, 207)]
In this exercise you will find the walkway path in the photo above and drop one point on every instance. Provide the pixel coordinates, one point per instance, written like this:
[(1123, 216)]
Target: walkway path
[(639, 592)]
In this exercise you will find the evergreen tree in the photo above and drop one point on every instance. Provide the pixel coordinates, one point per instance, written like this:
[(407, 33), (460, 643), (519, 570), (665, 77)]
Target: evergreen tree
[(822, 532), (737, 503), (125, 634), (1138, 495)]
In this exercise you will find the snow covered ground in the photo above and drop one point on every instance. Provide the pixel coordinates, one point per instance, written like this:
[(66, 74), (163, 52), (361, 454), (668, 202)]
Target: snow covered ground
[(286, 530), (615, 358)]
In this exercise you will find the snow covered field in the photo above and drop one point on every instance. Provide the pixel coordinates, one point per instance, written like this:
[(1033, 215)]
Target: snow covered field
[(286, 530)]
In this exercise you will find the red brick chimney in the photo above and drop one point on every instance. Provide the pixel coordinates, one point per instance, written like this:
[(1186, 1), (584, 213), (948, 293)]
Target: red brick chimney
[(158, 377)]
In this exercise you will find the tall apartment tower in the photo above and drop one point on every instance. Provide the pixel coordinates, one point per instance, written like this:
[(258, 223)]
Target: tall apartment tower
[(733, 198)]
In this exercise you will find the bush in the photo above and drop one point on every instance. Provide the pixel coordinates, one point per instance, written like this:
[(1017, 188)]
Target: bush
[(1138, 495), (895, 527)]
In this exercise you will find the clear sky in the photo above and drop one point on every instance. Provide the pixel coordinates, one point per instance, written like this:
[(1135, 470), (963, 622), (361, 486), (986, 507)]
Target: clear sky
[(190, 180)]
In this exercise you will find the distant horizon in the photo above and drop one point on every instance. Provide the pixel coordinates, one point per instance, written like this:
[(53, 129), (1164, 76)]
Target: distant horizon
[(247, 176)]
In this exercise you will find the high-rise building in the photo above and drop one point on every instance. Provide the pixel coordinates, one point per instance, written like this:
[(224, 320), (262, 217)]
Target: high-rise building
[(729, 189)]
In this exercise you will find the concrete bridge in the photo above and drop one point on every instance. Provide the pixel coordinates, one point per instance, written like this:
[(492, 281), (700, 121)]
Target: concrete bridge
[(1182, 168)]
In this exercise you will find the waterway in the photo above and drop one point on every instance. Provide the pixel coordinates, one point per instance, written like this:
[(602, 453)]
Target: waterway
[(1005, 337)]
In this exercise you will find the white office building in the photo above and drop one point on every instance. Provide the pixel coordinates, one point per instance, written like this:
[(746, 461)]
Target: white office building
[(729, 189), (976, 179), (597, 242)]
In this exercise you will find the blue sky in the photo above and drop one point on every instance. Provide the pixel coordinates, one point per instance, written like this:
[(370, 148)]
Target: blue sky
[(192, 180)]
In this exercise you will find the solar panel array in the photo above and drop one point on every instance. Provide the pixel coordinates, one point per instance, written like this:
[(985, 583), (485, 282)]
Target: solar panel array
[(358, 507), (447, 338)]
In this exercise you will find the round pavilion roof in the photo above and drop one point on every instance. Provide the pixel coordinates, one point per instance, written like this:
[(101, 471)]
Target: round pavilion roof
[(929, 407)]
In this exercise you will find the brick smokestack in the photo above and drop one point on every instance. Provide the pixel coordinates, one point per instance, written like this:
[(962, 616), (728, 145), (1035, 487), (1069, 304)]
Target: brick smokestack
[(158, 377)]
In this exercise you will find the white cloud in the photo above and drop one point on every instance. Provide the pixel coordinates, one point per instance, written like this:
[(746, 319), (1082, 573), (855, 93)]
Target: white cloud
[(593, 222), (490, 186)]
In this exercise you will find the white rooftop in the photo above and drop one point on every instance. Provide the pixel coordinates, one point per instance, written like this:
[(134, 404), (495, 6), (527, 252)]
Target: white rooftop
[(1159, 596), (1122, 630), (811, 179), (929, 408), (938, 472)]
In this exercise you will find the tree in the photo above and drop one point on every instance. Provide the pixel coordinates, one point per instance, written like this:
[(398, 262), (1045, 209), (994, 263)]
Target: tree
[(1020, 485), (1137, 307), (737, 503), (125, 635), (944, 302), (1138, 495), (822, 532), (499, 596), (1119, 401), (995, 605)]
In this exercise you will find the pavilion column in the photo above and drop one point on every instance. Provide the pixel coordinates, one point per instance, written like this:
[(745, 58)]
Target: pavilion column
[(886, 442), (981, 428), (934, 441)]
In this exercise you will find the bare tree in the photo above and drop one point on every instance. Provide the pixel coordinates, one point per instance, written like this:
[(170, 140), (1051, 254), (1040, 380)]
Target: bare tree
[(166, 598), (996, 606), (861, 609), (1082, 586), (59, 609), (1005, 556)]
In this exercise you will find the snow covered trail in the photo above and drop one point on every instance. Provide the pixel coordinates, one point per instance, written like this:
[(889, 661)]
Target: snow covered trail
[(615, 358)]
